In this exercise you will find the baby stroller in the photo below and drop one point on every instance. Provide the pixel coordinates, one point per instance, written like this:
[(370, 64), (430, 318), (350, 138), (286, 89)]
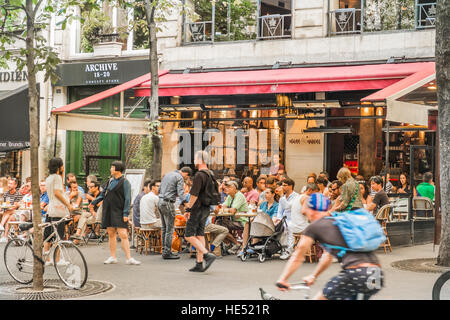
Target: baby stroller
[(268, 235)]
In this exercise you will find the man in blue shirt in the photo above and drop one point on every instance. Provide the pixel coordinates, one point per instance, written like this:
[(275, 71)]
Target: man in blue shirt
[(44, 197), (172, 185)]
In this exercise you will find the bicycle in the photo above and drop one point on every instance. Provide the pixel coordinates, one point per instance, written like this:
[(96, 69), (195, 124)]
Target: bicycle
[(295, 286), (68, 260), (441, 288)]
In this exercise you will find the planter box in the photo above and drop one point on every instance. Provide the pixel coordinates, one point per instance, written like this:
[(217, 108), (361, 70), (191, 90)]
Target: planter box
[(108, 49)]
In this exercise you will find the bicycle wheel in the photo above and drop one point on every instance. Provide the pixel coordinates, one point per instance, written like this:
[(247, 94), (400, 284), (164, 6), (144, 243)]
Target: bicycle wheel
[(18, 256), (70, 265), (441, 288)]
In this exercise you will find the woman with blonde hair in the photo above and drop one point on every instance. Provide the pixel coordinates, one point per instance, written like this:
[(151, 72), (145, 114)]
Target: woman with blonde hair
[(350, 194)]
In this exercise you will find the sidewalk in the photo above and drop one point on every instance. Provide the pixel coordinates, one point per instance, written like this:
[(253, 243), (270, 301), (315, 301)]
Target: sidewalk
[(230, 278)]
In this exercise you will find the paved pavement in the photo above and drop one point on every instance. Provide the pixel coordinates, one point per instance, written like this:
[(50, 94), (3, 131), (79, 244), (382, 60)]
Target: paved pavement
[(230, 278)]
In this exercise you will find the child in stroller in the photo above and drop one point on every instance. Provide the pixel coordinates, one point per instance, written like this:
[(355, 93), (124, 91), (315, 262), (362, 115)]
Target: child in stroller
[(264, 240)]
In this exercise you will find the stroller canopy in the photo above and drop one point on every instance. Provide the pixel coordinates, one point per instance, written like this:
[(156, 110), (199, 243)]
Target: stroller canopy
[(262, 225)]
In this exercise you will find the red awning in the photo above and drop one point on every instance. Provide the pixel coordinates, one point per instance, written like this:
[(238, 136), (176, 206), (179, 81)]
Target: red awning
[(314, 79), (107, 93), (428, 69)]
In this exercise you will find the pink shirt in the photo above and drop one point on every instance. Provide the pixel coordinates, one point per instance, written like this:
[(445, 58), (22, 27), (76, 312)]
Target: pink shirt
[(252, 196)]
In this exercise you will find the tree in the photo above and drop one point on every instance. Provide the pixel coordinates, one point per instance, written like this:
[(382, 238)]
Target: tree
[(22, 41), (156, 11), (443, 93)]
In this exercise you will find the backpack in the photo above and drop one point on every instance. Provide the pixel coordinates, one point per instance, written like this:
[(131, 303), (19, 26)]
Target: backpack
[(210, 196), (360, 230)]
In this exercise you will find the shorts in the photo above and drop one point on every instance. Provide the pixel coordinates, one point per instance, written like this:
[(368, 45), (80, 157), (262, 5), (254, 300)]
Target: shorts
[(350, 283), (49, 230), (230, 224), (195, 225)]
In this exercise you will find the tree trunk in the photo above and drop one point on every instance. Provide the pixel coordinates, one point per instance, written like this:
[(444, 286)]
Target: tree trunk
[(150, 8), (38, 268), (443, 93)]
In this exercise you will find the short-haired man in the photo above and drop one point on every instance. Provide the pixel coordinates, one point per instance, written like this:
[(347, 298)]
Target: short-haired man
[(172, 185), (380, 199), (197, 212), (222, 192), (70, 177), (137, 204), (13, 196), (335, 192), (326, 176), (251, 195), (426, 188), (361, 274), (87, 218), (285, 210), (149, 214)]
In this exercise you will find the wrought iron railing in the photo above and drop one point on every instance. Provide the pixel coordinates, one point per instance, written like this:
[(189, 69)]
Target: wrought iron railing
[(345, 21), (275, 26), (198, 32), (426, 15)]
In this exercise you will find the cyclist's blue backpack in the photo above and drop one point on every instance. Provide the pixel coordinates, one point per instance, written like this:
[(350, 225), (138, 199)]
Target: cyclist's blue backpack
[(360, 230)]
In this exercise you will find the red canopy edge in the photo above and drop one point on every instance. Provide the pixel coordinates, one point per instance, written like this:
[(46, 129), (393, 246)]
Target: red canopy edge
[(312, 79), (107, 93), (381, 95)]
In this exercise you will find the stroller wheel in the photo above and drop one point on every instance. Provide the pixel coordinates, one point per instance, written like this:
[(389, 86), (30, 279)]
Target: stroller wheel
[(244, 256), (261, 257)]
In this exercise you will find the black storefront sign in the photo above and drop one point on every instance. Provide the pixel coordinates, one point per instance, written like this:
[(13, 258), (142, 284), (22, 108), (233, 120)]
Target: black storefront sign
[(14, 120), (101, 73)]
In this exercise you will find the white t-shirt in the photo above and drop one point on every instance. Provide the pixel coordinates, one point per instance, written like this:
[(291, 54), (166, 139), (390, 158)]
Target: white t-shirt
[(298, 220), (55, 207), (149, 208)]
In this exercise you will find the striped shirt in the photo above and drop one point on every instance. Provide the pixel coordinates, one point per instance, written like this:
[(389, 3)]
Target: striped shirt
[(12, 197)]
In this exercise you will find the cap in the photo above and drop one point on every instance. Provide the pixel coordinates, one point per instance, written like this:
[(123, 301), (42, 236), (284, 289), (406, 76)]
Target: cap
[(232, 183), (318, 201)]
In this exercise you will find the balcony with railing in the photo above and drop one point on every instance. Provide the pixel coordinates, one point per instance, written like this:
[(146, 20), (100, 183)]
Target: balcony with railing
[(199, 32), (345, 21), (426, 15), (275, 26), (382, 15)]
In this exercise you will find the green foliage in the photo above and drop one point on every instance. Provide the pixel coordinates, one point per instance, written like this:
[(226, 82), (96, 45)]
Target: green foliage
[(144, 156), (95, 23), (242, 22), (381, 15), (16, 22)]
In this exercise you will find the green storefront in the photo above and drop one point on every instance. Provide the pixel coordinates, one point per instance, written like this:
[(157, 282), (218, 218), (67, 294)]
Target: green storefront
[(93, 152)]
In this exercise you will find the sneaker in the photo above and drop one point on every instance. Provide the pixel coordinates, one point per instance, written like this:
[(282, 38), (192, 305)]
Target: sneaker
[(110, 260), (234, 249), (285, 255), (133, 261), (62, 263), (3, 240), (240, 254), (209, 259), (197, 268), (170, 256), (76, 237)]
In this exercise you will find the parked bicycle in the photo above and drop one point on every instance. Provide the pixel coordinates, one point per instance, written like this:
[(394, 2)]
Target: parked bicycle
[(441, 288), (68, 260)]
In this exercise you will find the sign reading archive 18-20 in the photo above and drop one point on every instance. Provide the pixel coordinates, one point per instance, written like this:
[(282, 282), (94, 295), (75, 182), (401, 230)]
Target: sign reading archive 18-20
[(101, 72)]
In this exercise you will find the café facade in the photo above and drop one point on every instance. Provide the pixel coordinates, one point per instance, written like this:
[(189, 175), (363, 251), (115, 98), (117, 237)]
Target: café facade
[(367, 117)]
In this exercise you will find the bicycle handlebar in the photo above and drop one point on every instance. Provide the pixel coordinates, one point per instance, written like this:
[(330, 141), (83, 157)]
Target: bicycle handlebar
[(46, 224)]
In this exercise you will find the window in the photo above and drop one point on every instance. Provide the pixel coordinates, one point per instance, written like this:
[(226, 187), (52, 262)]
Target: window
[(234, 20), (356, 16)]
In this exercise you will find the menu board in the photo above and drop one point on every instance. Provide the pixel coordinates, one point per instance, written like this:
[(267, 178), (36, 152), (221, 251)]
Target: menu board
[(136, 179)]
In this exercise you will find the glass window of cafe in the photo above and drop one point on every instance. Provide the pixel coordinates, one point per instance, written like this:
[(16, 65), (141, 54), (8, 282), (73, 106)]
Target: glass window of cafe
[(242, 139)]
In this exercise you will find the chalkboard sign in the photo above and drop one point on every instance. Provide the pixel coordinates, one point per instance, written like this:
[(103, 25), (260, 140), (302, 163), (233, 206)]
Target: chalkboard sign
[(136, 179)]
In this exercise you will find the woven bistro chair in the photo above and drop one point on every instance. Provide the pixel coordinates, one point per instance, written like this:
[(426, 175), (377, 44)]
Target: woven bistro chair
[(383, 217)]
